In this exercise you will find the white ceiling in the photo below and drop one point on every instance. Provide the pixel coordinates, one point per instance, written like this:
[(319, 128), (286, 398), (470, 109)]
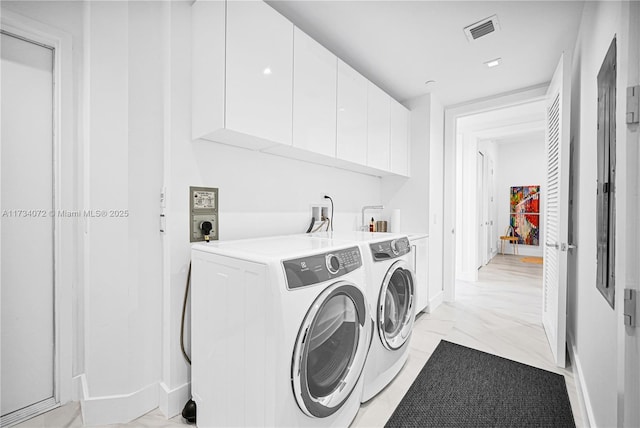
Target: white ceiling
[(399, 45)]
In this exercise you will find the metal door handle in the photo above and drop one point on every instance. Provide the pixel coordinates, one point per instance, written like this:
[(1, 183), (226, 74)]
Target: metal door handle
[(554, 245)]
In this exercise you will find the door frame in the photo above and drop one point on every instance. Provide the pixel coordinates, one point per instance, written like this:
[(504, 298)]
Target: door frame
[(453, 149), (64, 167)]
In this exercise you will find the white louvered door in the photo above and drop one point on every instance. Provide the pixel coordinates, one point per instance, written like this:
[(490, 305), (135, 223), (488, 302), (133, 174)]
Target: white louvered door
[(556, 213)]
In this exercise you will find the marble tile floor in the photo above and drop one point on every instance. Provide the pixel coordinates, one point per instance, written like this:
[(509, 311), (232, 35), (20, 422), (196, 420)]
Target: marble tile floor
[(499, 314)]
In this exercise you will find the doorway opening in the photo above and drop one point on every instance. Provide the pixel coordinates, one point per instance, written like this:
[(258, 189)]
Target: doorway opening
[(500, 159)]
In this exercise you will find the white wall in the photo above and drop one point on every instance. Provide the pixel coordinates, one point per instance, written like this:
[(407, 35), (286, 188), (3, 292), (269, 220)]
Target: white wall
[(420, 198), (466, 207), (411, 196), (436, 203), (520, 163), (591, 323), (123, 162)]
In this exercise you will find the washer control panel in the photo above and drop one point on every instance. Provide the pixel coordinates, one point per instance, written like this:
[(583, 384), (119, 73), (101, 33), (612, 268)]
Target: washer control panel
[(390, 249), (318, 268)]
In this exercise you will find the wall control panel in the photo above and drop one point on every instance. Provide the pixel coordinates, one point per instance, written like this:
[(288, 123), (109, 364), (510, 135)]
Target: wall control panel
[(390, 249), (203, 214), (318, 268)]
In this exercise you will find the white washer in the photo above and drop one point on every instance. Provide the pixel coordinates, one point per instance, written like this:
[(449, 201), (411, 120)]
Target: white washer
[(391, 294), (280, 332)]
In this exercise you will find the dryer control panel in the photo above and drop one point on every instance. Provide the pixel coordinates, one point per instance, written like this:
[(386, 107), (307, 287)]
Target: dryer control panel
[(390, 249), (318, 268)]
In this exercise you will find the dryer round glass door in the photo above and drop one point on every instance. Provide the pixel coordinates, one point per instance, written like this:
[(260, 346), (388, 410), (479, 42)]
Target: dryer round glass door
[(331, 350), (396, 306)]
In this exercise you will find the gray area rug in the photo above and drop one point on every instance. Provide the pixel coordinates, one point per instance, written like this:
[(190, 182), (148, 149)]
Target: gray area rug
[(464, 387)]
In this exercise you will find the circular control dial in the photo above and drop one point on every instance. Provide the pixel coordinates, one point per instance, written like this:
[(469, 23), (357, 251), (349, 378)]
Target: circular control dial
[(394, 247), (333, 263)]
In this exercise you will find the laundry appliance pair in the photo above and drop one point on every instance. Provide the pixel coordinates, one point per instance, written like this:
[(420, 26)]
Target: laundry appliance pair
[(286, 331)]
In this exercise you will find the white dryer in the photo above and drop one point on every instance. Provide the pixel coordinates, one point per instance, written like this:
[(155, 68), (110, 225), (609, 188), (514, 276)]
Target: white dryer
[(391, 293), (280, 332)]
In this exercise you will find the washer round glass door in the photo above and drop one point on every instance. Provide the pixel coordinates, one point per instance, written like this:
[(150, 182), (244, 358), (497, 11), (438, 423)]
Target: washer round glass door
[(395, 306), (331, 350)]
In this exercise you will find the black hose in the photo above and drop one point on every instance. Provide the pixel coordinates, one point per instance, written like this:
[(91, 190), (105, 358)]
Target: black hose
[(184, 310), (329, 197), (189, 410), (313, 220)]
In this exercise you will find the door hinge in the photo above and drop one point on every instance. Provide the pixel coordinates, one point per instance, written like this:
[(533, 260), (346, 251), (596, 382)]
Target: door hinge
[(630, 307), (633, 104)]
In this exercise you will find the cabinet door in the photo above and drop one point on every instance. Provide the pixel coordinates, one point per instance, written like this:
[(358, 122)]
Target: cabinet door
[(378, 128), (259, 71), (314, 95), (399, 139), (420, 249), (352, 115)]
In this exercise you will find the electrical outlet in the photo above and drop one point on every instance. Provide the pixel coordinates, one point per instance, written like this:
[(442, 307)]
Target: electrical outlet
[(203, 208)]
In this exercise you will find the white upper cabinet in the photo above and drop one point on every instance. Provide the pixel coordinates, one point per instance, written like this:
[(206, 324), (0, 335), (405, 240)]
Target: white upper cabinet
[(399, 139), (352, 115), (260, 83), (314, 95), (378, 128), (259, 71), (242, 70)]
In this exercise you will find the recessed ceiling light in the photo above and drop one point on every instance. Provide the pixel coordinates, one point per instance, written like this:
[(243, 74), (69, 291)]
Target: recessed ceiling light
[(266, 71), (493, 63)]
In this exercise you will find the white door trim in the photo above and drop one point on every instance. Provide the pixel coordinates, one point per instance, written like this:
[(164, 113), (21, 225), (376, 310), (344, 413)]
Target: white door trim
[(64, 167)]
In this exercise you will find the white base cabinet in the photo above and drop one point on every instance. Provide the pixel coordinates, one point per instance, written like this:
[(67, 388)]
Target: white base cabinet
[(420, 265)]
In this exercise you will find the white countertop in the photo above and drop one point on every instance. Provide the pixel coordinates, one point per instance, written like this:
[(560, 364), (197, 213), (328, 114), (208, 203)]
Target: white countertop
[(417, 235)]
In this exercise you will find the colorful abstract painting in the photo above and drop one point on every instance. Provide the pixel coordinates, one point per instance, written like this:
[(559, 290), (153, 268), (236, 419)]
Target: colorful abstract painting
[(525, 214)]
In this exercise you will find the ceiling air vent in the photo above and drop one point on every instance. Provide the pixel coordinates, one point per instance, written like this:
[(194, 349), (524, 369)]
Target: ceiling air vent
[(482, 28)]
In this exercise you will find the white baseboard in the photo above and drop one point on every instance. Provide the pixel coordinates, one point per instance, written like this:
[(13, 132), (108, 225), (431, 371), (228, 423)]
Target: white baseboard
[(434, 302), (115, 409), (581, 387), (171, 401), (77, 388)]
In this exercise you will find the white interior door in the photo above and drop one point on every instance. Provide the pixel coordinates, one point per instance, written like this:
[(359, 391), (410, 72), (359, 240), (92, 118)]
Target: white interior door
[(27, 250), (556, 213)]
